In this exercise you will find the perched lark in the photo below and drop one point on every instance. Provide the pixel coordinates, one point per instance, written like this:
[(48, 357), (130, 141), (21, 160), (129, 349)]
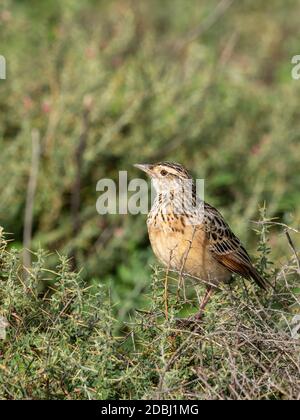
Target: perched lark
[(190, 236)]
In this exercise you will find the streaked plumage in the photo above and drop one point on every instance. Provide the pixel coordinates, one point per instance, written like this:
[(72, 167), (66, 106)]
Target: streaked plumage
[(195, 240)]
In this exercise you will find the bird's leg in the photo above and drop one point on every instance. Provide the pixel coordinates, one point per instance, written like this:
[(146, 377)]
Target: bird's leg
[(198, 316), (208, 293)]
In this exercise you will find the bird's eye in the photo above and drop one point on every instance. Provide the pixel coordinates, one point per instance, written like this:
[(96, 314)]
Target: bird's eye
[(163, 172)]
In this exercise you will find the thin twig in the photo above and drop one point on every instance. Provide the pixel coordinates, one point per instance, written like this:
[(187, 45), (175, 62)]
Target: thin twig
[(76, 189), (166, 292), (293, 248), (269, 222), (31, 189), (217, 13), (181, 278)]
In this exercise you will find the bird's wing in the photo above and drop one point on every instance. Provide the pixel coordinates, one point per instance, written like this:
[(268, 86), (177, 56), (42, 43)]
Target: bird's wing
[(226, 248)]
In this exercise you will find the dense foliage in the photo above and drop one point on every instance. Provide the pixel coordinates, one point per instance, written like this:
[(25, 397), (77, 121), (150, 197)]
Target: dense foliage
[(67, 344)]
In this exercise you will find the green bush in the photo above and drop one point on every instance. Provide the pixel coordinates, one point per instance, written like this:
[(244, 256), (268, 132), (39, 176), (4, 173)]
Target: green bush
[(66, 344)]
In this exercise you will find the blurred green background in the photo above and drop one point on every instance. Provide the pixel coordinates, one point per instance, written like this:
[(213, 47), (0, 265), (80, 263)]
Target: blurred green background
[(111, 83)]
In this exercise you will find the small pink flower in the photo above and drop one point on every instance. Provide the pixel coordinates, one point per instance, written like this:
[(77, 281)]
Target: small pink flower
[(28, 103), (46, 107), (255, 149), (5, 16), (119, 232), (90, 52)]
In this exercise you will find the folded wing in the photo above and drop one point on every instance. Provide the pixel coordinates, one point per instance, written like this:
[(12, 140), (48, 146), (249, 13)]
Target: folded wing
[(227, 249)]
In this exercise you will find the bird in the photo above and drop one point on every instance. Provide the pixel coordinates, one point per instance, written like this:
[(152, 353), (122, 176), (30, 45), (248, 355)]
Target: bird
[(190, 236)]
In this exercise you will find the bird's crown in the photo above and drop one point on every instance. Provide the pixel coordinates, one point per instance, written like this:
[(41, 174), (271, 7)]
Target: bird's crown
[(165, 170)]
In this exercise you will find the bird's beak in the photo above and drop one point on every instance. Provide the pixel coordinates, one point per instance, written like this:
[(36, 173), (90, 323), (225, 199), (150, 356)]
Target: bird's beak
[(144, 167)]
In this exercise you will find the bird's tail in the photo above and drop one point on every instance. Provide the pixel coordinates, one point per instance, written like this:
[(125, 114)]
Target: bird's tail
[(263, 283)]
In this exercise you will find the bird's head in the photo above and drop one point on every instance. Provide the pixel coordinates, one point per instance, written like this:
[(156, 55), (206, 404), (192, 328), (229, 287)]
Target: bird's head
[(166, 176)]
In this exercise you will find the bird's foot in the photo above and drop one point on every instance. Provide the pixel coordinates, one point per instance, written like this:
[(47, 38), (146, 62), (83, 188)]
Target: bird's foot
[(197, 317)]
